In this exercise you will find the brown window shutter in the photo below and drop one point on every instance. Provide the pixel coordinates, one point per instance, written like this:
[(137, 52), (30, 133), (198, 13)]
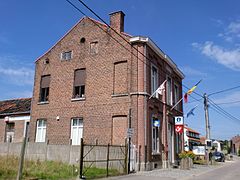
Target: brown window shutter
[(79, 77), (45, 81)]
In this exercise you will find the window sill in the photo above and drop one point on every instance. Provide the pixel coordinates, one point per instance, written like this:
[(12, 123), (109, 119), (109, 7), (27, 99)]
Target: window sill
[(78, 99), (119, 95), (43, 102)]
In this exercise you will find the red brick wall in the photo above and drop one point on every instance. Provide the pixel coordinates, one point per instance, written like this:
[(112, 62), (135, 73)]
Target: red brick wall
[(99, 106)]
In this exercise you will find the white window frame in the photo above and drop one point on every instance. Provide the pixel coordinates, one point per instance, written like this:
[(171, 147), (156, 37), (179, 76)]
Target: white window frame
[(155, 138), (41, 130), (154, 80), (79, 128), (169, 91), (67, 55), (176, 96)]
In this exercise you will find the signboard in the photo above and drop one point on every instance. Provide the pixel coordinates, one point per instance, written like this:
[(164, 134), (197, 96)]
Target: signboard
[(178, 120), (199, 150), (130, 132), (208, 143), (156, 123), (179, 128)]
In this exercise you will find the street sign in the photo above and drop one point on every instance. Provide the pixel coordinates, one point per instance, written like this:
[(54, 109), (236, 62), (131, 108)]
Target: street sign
[(179, 129), (178, 120), (199, 150), (130, 132), (208, 143)]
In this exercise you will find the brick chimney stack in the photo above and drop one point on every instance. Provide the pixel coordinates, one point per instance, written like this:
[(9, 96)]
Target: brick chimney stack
[(117, 21)]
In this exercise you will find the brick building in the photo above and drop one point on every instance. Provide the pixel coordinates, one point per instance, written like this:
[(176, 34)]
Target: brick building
[(95, 84), (14, 119), (235, 145)]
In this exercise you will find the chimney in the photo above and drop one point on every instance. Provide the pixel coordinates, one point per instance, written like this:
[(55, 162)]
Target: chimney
[(117, 21)]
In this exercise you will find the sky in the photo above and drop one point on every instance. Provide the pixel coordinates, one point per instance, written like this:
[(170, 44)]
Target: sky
[(202, 37)]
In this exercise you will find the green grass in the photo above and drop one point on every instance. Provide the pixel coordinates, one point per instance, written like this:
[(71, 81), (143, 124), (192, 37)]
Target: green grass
[(47, 170), (94, 172)]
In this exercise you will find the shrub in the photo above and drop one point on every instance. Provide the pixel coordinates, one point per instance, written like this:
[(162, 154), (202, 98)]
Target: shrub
[(186, 154)]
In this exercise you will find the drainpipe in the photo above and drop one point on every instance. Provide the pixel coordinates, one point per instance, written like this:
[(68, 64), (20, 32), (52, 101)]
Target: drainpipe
[(145, 104)]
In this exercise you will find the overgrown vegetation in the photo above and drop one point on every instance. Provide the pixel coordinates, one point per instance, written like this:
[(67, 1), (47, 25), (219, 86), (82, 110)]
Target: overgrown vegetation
[(186, 154), (45, 170)]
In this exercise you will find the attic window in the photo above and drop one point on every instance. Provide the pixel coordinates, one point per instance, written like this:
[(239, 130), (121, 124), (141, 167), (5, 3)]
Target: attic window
[(94, 47), (66, 55)]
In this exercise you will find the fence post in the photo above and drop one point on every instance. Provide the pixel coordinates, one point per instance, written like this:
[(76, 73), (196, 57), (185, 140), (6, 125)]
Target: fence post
[(126, 157), (21, 160), (108, 147), (81, 160)]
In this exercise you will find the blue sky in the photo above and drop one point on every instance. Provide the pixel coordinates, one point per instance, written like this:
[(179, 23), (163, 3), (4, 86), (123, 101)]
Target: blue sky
[(202, 37)]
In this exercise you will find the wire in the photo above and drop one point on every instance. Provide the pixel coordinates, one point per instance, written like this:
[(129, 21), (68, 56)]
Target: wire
[(118, 35), (225, 90), (223, 111), (233, 102)]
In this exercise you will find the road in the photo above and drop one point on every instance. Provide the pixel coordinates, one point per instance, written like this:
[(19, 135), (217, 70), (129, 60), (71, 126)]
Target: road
[(229, 172), (223, 171)]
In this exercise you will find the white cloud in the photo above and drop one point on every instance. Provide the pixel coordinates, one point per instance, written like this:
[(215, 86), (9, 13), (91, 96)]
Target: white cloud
[(232, 32), (227, 57), (20, 76)]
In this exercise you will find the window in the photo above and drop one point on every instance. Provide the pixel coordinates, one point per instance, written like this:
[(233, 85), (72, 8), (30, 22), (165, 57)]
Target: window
[(66, 55), (120, 78), (10, 128), (79, 83), (119, 130), (155, 135), (41, 130), (154, 80), (44, 88), (169, 91), (94, 47), (176, 96), (76, 130)]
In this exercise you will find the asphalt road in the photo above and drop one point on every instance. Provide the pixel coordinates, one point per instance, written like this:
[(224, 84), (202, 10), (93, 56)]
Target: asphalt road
[(229, 172), (223, 171)]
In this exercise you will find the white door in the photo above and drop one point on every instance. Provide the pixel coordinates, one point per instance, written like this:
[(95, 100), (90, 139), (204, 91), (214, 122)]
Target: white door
[(76, 130)]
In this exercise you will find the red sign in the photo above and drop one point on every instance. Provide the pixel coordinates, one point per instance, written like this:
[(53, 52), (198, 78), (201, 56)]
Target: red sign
[(179, 128)]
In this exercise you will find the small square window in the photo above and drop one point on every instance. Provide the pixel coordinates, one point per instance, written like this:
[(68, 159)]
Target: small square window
[(94, 47), (66, 55)]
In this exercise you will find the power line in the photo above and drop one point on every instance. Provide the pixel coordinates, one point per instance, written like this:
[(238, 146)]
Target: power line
[(233, 102), (223, 111), (225, 90), (118, 35)]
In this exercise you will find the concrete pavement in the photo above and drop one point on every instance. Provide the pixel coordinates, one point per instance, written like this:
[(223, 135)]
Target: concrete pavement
[(197, 172)]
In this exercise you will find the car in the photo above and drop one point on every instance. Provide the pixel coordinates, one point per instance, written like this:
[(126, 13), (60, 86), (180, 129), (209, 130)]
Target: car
[(218, 156)]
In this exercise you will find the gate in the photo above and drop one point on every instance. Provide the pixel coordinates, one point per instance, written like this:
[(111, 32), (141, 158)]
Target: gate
[(108, 157)]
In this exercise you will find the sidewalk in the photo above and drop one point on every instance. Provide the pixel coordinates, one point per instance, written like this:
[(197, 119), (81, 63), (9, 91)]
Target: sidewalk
[(174, 173)]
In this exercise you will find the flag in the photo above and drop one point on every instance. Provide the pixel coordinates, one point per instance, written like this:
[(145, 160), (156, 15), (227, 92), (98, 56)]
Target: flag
[(159, 90), (190, 92), (191, 111)]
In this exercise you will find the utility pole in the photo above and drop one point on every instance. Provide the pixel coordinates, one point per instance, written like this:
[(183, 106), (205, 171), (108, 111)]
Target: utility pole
[(206, 116), (207, 125)]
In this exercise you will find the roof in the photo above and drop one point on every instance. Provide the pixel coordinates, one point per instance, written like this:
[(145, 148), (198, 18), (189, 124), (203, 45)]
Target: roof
[(99, 23), (191, 130), (15, 106), (154, 47)]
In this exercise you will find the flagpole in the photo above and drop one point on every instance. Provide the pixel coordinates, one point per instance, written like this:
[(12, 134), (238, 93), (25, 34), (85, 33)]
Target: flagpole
[(177, 103)]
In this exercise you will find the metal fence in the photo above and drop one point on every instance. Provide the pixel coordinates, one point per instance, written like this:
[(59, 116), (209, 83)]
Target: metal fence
[(108, 157)]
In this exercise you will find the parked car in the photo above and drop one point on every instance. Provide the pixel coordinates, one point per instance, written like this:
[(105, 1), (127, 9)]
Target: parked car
[(218, 156)]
